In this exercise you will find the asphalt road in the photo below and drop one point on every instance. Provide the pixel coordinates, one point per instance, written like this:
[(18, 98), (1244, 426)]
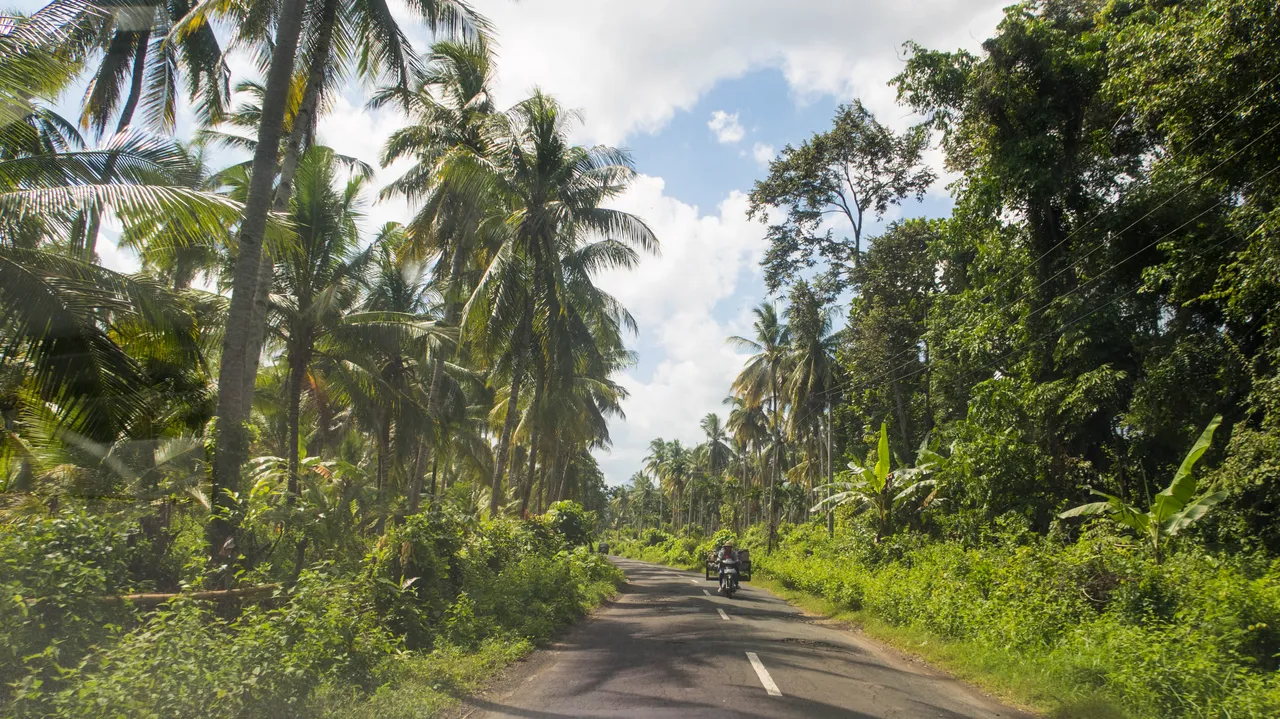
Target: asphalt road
[(670, 647)]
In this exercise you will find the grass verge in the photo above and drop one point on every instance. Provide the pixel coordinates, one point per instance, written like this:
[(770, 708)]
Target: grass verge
[(427, 684), (1030, 686)]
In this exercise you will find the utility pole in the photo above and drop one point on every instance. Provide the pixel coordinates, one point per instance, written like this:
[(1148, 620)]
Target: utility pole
[(831, 516)]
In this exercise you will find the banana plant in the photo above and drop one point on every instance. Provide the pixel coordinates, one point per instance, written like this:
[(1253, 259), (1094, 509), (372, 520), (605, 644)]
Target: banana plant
[(1174, 509), (873, 485), (869, 484)]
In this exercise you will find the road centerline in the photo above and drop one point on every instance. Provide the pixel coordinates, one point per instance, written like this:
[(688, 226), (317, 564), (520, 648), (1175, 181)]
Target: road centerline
[(722, 614), (706, 592), (763, 673)]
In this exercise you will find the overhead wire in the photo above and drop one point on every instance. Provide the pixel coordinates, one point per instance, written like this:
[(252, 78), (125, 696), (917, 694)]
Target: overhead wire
[(873, 381)]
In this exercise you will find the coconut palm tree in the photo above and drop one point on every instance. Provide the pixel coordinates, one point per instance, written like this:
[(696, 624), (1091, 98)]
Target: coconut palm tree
[(139, 66), (761, 379), (545, 197), (810, 383), (718, 452), (237, 369), (449, 108)]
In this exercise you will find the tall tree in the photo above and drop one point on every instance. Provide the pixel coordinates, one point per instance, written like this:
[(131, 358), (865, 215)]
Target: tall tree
[(761, 379), (856, 170), (546, 203)]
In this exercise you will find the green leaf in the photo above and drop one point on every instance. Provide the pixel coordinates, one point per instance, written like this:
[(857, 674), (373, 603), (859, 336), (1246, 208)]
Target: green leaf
[(1183, 486), (1193, 512), (882, 460), (1088, 510)]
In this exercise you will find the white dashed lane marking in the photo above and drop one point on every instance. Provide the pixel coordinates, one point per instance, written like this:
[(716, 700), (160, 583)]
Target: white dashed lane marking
[(763, 673), (722, 614)]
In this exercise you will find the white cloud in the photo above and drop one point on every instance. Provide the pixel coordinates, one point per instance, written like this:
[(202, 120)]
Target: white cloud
[(705, 260), (763, 153), (351, 129), (631, 66), (726, 128)]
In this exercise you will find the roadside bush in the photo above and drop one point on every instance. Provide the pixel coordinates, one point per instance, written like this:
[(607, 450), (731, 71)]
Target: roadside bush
[(53, 575), (575, 524), (1195, 636), (185, 661), (434, 588)]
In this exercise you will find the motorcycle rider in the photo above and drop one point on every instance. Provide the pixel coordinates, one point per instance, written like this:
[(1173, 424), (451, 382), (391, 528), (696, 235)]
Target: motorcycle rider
[(727, 552)]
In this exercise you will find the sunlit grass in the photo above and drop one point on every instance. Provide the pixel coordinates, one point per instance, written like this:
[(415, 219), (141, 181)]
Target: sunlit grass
[(1031, 686)]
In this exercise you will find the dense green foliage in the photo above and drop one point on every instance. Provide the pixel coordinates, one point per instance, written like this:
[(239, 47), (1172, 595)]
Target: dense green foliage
[(292, 467), (1105, 288), (435, 590)]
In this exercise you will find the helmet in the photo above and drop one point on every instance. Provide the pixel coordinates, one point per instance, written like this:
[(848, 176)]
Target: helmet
[(728, 542)]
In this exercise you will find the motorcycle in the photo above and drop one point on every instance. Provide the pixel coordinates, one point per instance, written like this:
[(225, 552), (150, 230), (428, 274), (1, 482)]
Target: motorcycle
[(728, 577)]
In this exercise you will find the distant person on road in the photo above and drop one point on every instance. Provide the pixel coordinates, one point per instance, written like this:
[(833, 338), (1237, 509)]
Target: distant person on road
[(727, 554)]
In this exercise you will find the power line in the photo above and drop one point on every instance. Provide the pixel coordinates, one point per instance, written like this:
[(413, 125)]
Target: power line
[(892, 371)]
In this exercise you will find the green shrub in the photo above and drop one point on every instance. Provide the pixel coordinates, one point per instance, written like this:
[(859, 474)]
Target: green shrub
[(431, 590), (185, 661), (53, 575), (575, 524), (1194, 637)]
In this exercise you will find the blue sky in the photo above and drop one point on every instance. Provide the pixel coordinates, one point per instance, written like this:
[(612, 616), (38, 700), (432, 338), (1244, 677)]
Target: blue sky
[(702, 93)]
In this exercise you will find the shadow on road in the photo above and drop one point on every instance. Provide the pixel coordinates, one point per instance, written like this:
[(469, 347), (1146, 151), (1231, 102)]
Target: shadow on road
[(660, 650)]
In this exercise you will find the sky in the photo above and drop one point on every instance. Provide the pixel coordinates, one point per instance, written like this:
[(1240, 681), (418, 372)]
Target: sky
[(703, 93)]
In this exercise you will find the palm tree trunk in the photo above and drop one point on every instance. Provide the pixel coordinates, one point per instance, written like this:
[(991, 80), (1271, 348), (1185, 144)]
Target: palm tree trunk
[(558, 476), (137, 73), (831, 515), (453, 314), (533, 465), (435, 463), (384, 458), (777, 467), (900, 408), (539, 384), (542, 486), (257, 329), (297, 368), (232, 445), (415, 482), (509, 424), (303, 124)]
